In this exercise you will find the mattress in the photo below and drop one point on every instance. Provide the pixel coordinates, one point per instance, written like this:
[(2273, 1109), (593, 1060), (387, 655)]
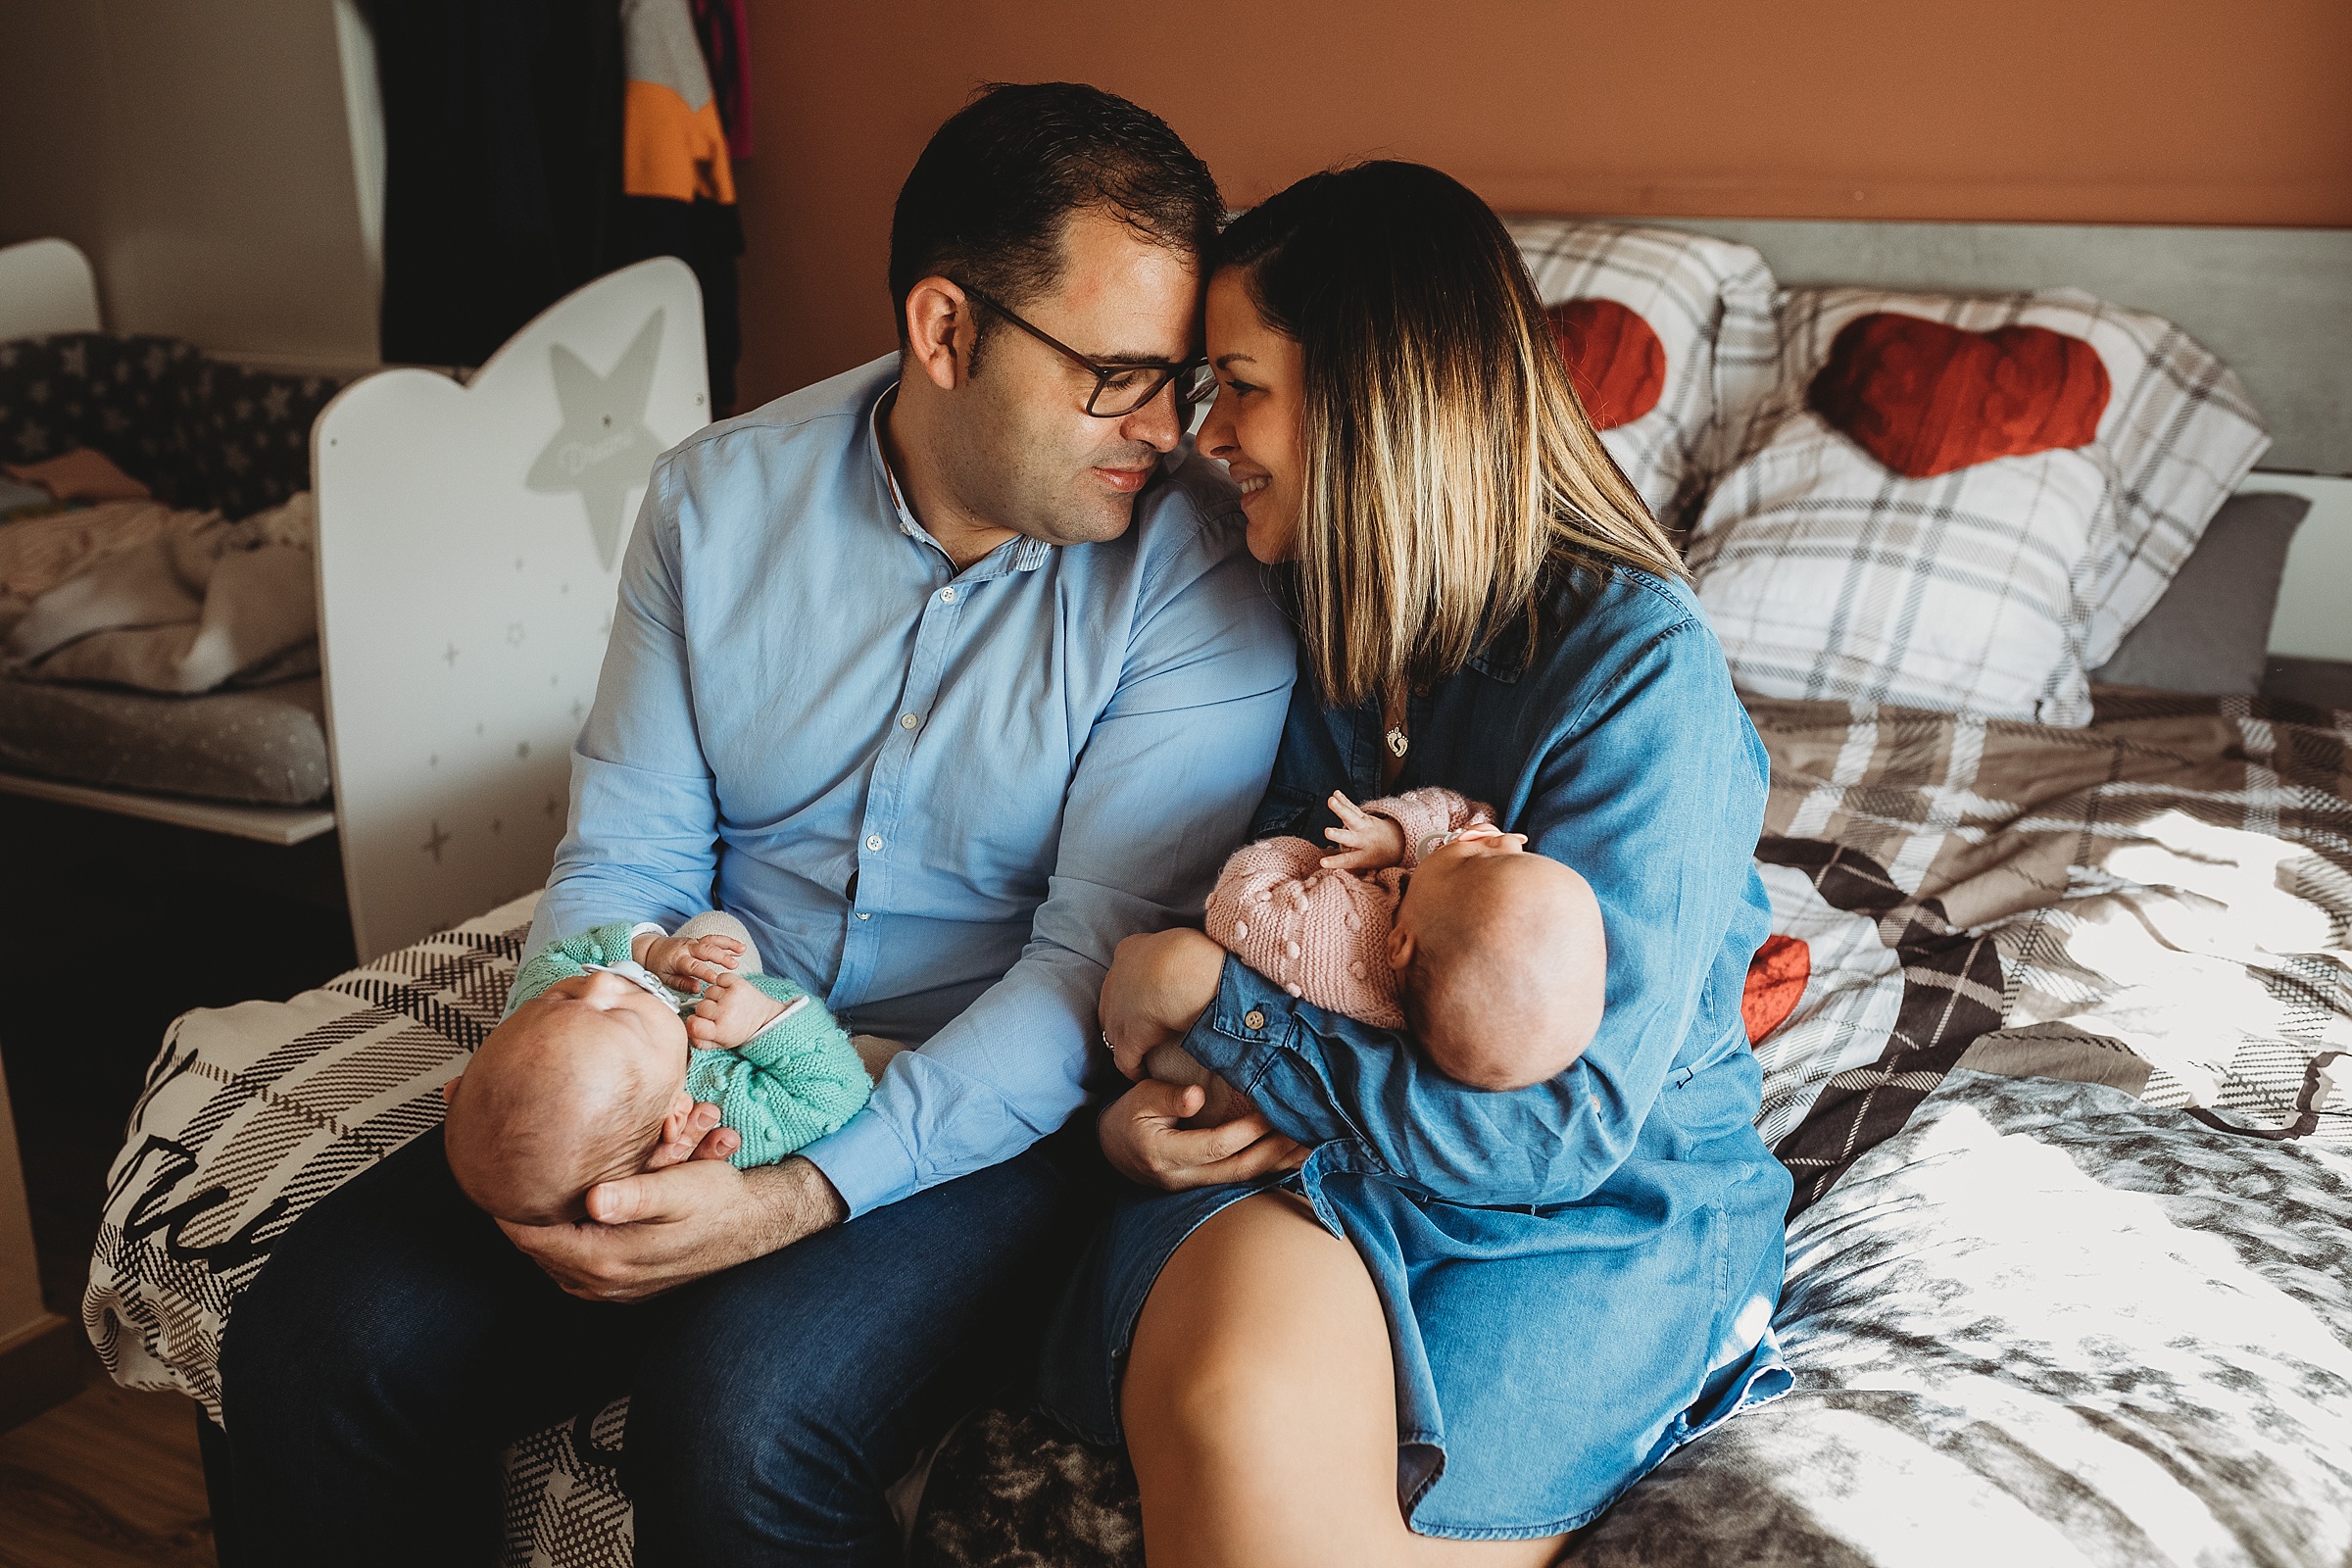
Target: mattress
[(261, 746), (2051, 1023)]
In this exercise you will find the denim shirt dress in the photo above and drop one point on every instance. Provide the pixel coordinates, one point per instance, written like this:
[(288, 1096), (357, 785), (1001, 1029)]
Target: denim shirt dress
[(1577, 1276)]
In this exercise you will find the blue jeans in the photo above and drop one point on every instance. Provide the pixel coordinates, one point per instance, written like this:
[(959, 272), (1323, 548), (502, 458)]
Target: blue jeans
[(396, 1342)]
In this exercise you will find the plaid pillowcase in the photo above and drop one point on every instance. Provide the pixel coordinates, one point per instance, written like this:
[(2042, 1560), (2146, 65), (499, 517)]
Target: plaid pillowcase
[(1709, 300), (1989, 589)]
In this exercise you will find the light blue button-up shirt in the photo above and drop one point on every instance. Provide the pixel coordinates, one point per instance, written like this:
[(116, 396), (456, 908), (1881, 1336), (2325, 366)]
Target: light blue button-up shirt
[(937, 798)]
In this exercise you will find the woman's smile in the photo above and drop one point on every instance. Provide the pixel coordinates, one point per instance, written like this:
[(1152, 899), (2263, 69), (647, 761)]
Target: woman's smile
[(1253, 427)]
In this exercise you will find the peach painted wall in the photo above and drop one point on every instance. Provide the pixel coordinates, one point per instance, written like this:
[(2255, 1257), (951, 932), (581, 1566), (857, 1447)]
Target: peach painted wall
[(2074, 111)]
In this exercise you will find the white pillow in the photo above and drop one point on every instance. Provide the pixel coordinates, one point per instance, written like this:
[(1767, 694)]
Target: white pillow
[(1709, 300), (1988, 589)]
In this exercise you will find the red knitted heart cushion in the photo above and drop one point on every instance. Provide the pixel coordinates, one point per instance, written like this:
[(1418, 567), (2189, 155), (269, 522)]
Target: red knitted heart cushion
[(1775, 983), (1615, 360), (1923, 397)]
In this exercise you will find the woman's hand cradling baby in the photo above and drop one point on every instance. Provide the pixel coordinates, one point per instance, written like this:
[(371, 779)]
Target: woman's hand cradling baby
[(1366, 843), (1158, 984)]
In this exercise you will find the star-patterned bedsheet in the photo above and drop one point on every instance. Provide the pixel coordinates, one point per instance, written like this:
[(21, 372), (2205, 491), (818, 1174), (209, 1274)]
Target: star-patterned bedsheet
[(202, 433), (2138, 926)]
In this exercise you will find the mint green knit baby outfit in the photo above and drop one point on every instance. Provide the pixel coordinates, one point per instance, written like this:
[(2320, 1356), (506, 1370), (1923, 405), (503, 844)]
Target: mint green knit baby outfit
[(789, 1084)]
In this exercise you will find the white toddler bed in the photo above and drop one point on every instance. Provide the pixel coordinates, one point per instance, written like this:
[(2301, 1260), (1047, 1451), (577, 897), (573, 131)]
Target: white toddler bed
[(468, 541), (469, 545)]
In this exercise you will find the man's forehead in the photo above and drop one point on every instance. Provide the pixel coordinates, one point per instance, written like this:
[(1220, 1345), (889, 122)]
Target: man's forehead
[(1121, 296)]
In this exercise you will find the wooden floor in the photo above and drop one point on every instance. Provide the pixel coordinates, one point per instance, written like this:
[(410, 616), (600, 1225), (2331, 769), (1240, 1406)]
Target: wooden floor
[(113, 1477), (109, 1477)]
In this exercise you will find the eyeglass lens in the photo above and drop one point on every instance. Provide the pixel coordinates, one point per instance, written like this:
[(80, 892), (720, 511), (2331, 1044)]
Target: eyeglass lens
[(1125, 391)]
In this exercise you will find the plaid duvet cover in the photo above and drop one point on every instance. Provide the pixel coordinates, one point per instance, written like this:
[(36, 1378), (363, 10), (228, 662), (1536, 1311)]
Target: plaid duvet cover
[(2151, 914)]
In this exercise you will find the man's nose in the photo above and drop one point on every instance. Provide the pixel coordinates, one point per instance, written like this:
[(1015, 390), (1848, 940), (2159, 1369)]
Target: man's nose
[(1158, 422)]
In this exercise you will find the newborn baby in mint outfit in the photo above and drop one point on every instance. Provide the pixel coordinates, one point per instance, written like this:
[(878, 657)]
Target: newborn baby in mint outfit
[(611, 1040)]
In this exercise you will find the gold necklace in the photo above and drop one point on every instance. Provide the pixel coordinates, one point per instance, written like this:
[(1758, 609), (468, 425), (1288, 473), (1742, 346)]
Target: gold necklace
[(1398, 741)]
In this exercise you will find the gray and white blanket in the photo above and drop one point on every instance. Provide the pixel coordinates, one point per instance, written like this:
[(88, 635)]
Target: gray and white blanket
[(2054, 1028), (182, 603), (2043, 1324)]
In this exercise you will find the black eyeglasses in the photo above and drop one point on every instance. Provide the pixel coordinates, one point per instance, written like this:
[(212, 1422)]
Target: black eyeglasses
[(1119, 389)]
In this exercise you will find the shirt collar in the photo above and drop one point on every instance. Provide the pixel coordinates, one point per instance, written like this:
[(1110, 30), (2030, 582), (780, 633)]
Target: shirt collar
[(1504, 655), (638, 975), (1020, 554)]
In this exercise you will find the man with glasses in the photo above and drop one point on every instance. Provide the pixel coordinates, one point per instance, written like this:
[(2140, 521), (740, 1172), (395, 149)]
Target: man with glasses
[(942, 675)]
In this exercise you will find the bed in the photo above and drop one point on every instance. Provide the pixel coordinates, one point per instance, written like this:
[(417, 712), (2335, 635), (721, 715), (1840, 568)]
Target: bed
[(465, 540), (2054, 1018), (204, 435)]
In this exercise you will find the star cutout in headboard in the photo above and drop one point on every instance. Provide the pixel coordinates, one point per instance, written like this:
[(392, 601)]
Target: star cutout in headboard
[(604, 449)]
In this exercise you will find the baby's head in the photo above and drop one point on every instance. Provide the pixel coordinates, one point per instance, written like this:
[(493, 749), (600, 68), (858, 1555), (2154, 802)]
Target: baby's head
[(1500, 962), (579, 1085)]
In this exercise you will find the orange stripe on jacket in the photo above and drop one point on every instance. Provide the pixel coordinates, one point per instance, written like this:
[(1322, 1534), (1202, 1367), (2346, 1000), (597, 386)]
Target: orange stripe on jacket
[(670, 150)]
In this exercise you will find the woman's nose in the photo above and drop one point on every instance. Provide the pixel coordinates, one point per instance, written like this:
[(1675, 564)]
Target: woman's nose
[(1216, 431)]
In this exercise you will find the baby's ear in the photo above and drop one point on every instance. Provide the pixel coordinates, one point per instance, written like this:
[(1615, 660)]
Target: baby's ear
[(675, 1120), (1401, 947), (449, 1092)]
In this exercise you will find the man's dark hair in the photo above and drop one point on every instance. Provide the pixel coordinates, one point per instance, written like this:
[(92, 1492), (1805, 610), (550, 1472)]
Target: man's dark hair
[(987, 201)]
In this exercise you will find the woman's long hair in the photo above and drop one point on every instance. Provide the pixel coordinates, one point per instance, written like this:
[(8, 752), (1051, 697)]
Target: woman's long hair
[(1451, 480)]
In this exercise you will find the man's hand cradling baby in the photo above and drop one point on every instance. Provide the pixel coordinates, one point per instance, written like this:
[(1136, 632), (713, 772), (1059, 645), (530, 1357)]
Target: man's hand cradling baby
[(659, 1230)]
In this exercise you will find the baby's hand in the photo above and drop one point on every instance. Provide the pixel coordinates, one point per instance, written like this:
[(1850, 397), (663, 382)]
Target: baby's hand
[(1366, 843), (730, 1013), (688, 963)]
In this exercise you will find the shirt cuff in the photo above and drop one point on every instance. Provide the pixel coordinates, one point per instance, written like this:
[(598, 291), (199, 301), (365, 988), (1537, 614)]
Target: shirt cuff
[(1247, 1021), (865, 1162)]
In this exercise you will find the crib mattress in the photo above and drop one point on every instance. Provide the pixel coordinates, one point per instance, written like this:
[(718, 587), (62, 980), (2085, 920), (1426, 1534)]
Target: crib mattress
[(261, 746)]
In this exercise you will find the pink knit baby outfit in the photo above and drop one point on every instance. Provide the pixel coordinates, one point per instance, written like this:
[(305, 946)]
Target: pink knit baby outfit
[(1323, 936)]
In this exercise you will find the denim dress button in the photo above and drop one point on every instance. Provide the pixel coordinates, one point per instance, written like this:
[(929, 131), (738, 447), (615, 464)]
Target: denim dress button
[(1253, 1019)]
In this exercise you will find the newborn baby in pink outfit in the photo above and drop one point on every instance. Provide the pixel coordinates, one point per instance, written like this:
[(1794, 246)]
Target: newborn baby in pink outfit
[(1426, 917)]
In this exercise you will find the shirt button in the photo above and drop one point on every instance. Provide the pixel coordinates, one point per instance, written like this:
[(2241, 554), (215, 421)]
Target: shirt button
[(947, 595), (874, 843), (1254, 1020), (862, 915), (907, 722)]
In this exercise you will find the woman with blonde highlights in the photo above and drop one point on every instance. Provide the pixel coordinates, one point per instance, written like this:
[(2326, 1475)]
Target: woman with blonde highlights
[(1389, 1318)]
